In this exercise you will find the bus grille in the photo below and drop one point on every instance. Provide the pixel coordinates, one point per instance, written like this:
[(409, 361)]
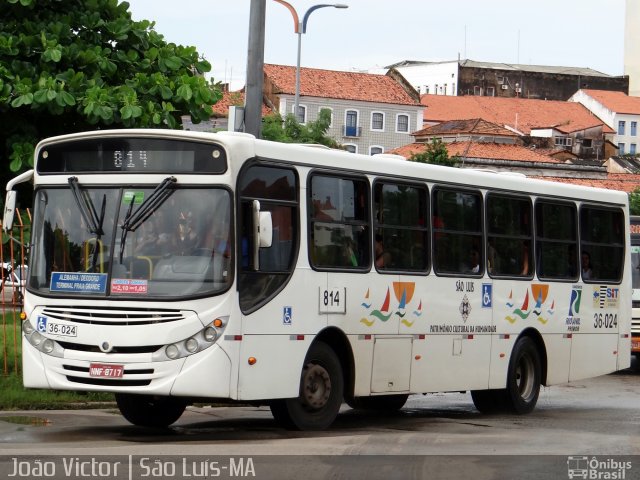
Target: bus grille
[(80, 347), (113, 316)]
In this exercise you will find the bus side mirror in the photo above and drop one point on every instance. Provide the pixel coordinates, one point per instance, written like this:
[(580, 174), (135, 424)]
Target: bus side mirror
[(9, 210), (262, 232)]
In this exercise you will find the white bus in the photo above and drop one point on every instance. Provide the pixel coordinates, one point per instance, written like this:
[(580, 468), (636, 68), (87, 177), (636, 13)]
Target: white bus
[(171, 267), (635, 280)]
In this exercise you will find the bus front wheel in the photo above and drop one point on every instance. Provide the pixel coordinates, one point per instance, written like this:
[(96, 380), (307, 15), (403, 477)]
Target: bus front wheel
[(523, 377), (321, 391), (150, 411)]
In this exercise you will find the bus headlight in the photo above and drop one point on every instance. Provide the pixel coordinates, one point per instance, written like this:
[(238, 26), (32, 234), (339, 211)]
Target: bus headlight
[(172, 352), (191, 345), (39, 341), (210, 334)]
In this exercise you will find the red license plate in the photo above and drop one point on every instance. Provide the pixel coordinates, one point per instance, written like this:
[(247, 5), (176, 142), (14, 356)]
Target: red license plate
[(102, 370)]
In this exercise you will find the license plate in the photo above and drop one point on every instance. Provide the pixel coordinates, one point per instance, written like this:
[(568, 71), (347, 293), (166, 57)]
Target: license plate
[(62, 329), (102, 370)]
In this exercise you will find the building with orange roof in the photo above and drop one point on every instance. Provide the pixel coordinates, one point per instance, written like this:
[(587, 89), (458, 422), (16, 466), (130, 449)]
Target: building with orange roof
[(540, 123), (619, 111), (370, 113)]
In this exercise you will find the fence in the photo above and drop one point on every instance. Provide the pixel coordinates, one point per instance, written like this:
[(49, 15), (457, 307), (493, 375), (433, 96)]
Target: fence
[(13, 272)]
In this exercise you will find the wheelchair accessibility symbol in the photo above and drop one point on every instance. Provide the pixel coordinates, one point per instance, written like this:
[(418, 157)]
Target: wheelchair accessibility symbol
[(487, 295), (287, 315)]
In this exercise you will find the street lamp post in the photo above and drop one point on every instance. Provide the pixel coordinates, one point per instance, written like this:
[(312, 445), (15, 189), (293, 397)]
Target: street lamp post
[(300, 27)]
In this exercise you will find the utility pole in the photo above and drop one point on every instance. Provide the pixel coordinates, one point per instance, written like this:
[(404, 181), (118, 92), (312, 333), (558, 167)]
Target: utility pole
[(255, 69)]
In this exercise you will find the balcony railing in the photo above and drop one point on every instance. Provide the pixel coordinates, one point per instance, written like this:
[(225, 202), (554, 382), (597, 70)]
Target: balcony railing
[(348, 131)]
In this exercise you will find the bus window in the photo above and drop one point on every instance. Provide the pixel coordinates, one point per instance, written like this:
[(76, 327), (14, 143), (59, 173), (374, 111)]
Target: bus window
[(601, 244), (339, 223), (457, 232), (401, 231), (275, 188), (509, 236), (556, 240)]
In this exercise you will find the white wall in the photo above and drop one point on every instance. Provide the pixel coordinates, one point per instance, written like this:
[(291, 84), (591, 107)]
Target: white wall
[(632, 46), (432, 75)]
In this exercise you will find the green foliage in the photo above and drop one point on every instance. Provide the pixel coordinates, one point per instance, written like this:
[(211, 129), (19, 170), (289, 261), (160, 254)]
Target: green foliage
[(76, 65), (291, 131), (634, 202), (435, 153)]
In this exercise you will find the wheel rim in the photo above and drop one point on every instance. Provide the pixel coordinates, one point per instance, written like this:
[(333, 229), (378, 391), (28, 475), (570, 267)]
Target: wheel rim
[(316, 387), (525, 377)]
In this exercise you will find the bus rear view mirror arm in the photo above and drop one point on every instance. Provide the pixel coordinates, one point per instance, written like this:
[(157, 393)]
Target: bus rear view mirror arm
[(10, 200)]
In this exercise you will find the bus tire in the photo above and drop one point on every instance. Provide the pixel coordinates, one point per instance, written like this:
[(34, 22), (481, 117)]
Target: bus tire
[(382, 403), (523, 377), (321, 392), (150, 411)]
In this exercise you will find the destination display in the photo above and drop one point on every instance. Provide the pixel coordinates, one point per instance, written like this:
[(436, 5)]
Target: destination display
[(132, 155)]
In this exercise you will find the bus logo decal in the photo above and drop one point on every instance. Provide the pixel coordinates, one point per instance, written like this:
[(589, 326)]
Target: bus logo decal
[(403, 292), (538, 291)]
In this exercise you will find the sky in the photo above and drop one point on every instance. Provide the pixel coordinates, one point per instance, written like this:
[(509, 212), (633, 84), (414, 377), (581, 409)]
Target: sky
[(372, 34)]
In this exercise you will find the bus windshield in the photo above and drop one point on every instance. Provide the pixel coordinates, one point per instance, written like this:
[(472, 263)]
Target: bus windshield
[(147, 242)]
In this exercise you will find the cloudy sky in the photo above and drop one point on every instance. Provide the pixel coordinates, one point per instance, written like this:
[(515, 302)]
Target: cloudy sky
[(372, 34)]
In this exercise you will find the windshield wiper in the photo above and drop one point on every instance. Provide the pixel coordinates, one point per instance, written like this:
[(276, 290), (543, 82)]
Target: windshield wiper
[(86, 207), (133, 220), (90, 216)]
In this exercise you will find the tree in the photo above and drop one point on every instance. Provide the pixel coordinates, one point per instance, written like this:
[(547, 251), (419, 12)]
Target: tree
[(75, 65), (435, 153), (634, 202), (292, 131)]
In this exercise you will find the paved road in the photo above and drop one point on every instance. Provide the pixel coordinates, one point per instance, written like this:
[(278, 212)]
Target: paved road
[(443, 433)]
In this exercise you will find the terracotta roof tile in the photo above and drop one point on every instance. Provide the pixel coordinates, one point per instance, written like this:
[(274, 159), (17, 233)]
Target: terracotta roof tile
[(494, 151), (618, 102), (334, 84), (521, 114), (221, 109), (623, 182), (476, 126)]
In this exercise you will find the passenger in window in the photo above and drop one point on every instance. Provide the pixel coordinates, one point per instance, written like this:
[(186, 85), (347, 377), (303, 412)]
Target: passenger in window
[(586, 266), (474, 261), (349, 252), (525, 258), (572, 268), (383, 258)]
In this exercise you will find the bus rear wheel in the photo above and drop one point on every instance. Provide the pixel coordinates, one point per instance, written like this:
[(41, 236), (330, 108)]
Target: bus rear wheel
[(382, 403), (321, 391), (150, 411), (523, 377)]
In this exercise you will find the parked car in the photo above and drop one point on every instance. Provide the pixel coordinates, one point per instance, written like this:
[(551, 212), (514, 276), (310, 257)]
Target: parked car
[(12, 282)]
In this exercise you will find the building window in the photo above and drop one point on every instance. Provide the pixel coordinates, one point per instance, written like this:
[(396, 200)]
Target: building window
[(377, 121), (634, 129), (301, 117), (621, 149), (632, 149), (445, 89), (477, 91), (402, 123), (587, 143), (491, 92), (351, 124), (375, 150), (351, 148), (563, 141), (621, 127), (426, 89)]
